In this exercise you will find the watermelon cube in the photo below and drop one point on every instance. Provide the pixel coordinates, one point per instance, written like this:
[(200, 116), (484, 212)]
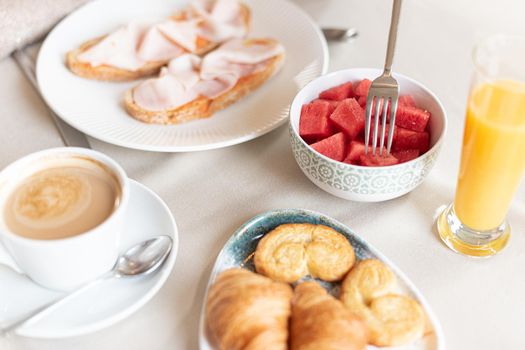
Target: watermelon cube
[(412, 118), (314, 121), (406, 100), (406, 155), (349, 117), (338, 93), (355, 150), (409, 139), (333, 147), (333, 104), (360, 137), (362, 101), (377, 160), (362, 87)]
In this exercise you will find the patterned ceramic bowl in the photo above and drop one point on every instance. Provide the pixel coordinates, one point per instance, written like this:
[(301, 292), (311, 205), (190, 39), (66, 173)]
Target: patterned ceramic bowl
[(358, 183)]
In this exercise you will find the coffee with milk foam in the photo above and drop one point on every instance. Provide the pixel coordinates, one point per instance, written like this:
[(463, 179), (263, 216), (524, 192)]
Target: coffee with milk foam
[(65, 198)]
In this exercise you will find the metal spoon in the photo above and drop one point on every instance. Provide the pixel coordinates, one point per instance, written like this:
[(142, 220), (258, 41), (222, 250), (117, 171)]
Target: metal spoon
[(141, 259), (340, 34)]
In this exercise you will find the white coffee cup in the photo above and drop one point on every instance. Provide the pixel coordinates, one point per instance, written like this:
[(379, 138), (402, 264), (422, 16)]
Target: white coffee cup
[(63, 264)]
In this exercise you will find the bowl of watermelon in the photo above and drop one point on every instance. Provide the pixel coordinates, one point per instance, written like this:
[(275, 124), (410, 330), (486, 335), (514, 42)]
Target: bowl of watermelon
[(327, 121)]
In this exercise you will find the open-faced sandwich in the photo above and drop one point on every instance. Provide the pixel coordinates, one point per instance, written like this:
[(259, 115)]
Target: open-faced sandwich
[(137, 50), (191, 87)]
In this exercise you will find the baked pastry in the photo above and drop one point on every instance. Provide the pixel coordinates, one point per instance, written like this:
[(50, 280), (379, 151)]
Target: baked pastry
[(292, 251), (138, 50), (369, 291), (319, 321), (194, 88), (246, 311)]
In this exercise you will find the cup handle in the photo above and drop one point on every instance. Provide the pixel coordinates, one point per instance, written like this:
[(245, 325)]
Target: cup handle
[(7, 260)]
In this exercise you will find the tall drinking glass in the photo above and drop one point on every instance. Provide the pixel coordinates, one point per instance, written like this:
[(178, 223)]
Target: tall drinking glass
[(493, 153)]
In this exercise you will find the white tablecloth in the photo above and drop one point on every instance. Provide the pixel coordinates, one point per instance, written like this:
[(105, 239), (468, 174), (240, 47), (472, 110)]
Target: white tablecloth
[(481, 303)]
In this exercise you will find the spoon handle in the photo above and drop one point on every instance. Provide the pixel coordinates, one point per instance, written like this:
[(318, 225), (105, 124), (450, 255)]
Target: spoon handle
[(339, 34), (37, 313)]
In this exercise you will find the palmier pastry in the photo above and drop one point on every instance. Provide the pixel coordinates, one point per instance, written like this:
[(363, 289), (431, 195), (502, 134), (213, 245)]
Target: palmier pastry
[(369, 291), (319, 321), (292, 251), (246, 311)]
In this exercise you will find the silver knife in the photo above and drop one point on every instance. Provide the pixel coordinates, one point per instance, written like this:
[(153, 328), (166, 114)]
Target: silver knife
[(71, 137)]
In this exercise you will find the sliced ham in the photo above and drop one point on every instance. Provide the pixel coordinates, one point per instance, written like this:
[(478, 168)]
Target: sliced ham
[(216, 87), (132, 46), (186, 68), (222, 20), (183, 33), (237, 58), (117, 49), (190, 77), (167, 90), (248, 51), (155, 46)]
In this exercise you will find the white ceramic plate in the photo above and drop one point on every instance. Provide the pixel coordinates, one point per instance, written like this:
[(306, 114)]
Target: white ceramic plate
[(96, 109), (238, 252), (103, 304)]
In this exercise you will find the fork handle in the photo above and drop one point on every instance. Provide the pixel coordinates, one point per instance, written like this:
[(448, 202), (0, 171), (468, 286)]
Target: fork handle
[(396, 9)]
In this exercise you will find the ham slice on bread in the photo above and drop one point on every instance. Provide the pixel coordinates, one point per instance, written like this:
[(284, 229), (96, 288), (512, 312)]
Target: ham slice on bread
[(191, 87), (137, 50)]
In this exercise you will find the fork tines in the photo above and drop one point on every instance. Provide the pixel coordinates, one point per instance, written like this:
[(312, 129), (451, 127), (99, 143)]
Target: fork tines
[(385, 104)]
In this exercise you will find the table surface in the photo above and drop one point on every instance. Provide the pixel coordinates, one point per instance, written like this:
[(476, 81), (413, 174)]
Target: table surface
[(480, 303)]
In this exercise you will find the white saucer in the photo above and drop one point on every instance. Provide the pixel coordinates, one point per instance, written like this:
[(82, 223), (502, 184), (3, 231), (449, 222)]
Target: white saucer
[(106, 303)]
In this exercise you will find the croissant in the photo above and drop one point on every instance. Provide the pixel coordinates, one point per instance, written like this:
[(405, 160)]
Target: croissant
[(368, 291), (246, 311), (319, 321)]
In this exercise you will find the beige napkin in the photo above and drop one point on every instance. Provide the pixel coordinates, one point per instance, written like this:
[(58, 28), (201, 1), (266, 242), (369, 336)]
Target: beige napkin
[(24, 21)]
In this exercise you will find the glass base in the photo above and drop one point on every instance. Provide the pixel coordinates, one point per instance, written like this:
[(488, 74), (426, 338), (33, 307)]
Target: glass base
[(467, 241)]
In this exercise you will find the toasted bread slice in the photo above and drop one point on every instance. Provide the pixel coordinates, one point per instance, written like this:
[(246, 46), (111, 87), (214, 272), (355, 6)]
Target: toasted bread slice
[(203, 107), (110, 73), (105, 72)]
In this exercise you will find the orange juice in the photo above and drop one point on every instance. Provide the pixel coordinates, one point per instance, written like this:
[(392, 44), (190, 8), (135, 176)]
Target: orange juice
[(493, 156)]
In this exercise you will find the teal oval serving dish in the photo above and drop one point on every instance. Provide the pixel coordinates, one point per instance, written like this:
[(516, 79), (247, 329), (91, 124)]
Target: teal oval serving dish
[(239, 249)]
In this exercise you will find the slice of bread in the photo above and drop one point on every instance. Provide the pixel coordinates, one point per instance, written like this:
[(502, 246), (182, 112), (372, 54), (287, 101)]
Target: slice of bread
[(203, 107), (105, 72), (110, 73)]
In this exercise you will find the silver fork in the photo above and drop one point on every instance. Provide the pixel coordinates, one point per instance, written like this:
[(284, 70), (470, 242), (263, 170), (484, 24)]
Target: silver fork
[(385, 92)]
